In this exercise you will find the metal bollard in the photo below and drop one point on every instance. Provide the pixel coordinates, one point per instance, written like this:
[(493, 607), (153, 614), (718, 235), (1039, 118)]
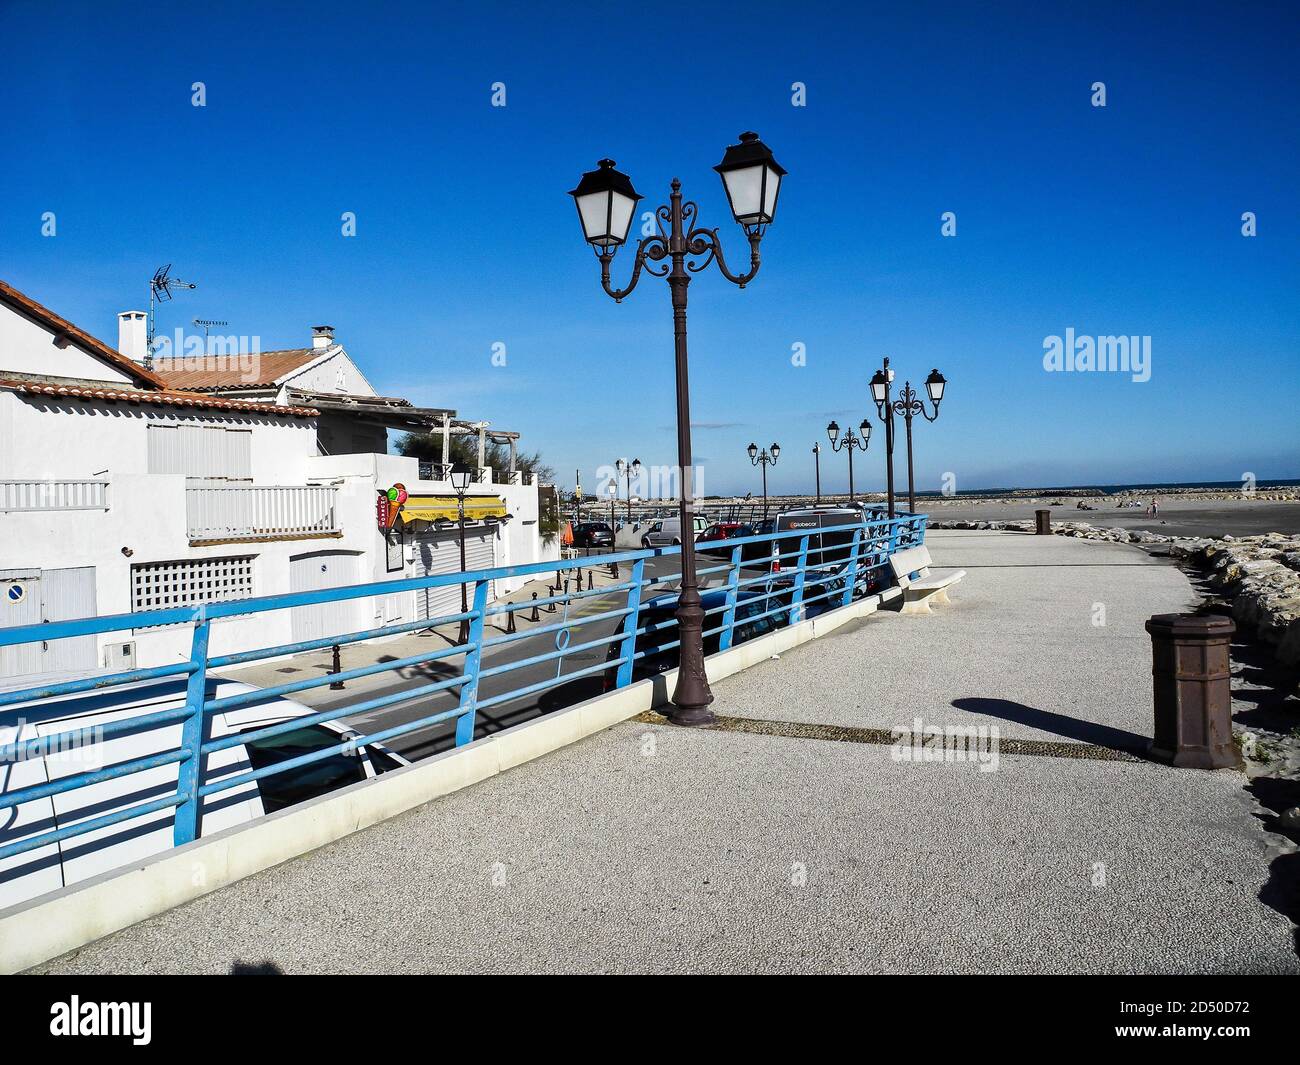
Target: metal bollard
[(590, 578), (536, 616), (1044, 520), (510, 619), (336, 685), (1191, 674), (613, 570)]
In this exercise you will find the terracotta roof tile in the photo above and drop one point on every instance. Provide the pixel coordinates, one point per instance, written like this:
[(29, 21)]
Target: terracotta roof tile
[(156, 398), (233, 371)]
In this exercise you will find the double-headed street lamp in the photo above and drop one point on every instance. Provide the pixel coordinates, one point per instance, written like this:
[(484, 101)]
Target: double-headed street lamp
[(766, 458), (908, 406), (626, 470), (459, 477), (606, 203), (849, 442), (817, 467)]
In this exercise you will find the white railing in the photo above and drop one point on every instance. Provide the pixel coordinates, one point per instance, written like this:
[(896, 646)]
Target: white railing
[(53, 495), (247, 512)]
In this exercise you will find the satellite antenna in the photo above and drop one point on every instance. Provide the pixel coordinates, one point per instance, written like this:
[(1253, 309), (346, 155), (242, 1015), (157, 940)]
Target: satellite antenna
[(160, 291)]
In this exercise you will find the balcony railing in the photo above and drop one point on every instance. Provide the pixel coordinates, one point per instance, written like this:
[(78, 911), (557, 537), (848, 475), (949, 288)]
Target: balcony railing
[(249, 512), (53, 495)]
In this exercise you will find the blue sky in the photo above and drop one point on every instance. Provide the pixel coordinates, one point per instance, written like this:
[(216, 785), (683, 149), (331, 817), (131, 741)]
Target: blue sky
[(1117, 220)]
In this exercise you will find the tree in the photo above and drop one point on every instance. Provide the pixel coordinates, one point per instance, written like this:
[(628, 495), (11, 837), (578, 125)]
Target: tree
[(464, 450)]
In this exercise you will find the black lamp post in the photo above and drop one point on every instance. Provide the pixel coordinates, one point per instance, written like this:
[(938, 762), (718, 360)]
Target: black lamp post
[(627, 469), (817, 467), (766, 458), (606, 203), (849, 442), (908, 406), (460, 483)]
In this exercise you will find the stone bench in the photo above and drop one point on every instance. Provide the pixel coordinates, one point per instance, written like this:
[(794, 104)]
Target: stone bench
[(918, 593)]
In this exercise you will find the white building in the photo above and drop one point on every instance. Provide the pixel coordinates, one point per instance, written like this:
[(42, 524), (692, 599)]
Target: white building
[(124, 488)]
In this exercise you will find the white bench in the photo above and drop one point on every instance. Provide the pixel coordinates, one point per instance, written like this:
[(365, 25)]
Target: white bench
[(917, 594)]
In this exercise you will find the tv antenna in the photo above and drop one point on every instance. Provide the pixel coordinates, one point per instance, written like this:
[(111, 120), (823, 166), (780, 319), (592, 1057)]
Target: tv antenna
[(160, 291), (205, 324)]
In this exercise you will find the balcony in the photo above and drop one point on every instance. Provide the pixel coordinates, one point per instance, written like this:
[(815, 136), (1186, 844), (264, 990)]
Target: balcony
[(220, 513), (18, 496)]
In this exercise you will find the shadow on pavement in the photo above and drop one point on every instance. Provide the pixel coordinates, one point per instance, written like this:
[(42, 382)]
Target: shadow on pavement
[(1069, 728)]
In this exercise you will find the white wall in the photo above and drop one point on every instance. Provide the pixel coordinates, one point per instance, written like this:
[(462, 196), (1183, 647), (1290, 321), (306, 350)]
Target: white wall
[(28, 347), (46, 438), (335, 373)]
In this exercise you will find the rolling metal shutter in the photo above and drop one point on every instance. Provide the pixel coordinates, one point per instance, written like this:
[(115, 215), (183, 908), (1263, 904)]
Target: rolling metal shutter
[(438, 551)]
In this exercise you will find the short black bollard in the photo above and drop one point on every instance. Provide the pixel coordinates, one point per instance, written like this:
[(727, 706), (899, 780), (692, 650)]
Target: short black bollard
[(1044, 522), (613, 570), (510, 619), (590, 578), (536, 616), (1191, 672), (336, 685)]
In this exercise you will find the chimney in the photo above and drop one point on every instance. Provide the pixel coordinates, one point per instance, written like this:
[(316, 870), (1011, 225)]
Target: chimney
[(322, 337), (133, 335)]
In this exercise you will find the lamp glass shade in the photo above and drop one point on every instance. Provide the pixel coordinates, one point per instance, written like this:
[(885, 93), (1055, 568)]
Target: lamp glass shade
[(934, 384), (606, 202), (776, 450), (865, 427), (878, 386), (752, 179), (753, 451), (636, 465), (459, 477), (833, 431)]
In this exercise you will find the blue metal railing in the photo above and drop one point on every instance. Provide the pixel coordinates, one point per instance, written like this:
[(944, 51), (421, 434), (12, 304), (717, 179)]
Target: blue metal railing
[(780, 577)]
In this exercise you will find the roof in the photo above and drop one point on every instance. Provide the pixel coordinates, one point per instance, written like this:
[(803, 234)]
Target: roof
[(386, 410), (267, 368), (62, 327), (110, 394)]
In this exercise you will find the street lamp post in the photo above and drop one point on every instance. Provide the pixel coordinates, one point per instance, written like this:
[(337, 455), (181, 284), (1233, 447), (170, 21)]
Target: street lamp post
[(766, 458), (849, 442), (627, 469), (907, 406), (817, 467), (460, 483), (606, 203)]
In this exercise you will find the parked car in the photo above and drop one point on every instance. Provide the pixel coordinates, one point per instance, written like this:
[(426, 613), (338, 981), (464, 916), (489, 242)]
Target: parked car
[(719, 531), (68, 861), (593, 534), (667, 532)]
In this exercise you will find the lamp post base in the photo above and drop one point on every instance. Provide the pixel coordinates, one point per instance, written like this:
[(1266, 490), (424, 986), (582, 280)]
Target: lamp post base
[(690, 716)]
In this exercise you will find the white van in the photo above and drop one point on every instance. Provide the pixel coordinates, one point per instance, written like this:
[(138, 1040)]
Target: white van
[(73, 859), (668, 532)]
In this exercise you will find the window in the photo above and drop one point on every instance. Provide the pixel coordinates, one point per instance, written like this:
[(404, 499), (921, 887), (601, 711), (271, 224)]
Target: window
[(305, 782), (159, 585), (201, 452), (394, 560)]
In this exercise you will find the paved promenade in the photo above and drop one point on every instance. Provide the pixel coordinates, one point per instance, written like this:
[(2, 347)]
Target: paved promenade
[(794, 839)]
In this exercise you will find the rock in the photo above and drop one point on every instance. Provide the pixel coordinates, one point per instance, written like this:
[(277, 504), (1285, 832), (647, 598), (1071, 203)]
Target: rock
[(1290, 819)]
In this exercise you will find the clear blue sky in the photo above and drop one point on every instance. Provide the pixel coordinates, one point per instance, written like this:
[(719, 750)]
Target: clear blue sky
[(1122, 220)]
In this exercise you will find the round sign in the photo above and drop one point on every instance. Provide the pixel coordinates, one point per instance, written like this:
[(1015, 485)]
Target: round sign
[(16, 593)]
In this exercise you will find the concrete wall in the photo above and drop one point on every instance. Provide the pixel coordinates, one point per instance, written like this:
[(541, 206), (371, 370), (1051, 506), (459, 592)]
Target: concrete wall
[(28, 347)]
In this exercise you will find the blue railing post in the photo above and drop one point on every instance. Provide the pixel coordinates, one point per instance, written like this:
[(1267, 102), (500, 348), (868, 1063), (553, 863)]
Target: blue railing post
[(801, 570), (733, 590), (631, 622), (186, 826), (851, 570), (469, 690)]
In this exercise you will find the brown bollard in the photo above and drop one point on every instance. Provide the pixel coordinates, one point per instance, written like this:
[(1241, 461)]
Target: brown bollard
[(510, 619), (1043, 518), (536, 616), (1191, 675), (336, 685), (590, 577)]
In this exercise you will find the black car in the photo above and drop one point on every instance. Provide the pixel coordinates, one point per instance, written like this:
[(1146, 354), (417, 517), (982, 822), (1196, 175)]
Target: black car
[(593, 534)]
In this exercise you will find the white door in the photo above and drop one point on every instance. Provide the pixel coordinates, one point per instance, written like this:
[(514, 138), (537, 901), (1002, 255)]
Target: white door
[(324, 569), (30, 597), (438, 551)]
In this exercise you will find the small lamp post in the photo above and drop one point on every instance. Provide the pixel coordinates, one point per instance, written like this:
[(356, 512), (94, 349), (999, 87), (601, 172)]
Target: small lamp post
[(460, 484), (849, 442), (767, 457), (627, 470), (907, 406), (817, 469), (606, 203)]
